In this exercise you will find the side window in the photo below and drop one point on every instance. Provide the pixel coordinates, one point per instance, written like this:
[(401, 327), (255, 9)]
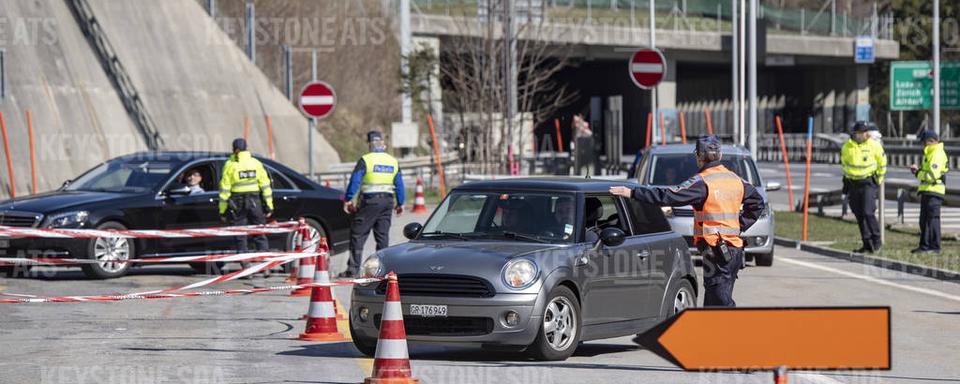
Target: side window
[(646, 218), (601, 212), (207, 172), (278, 180)]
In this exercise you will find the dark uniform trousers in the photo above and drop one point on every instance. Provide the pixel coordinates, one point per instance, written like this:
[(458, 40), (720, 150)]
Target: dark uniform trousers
[(863, 203), (375, 212), (930, 220), (719, 276), (248, 211)]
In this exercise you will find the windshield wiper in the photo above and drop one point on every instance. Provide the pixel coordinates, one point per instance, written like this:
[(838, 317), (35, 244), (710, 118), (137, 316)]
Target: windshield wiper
[(515, 235), (455, 235)]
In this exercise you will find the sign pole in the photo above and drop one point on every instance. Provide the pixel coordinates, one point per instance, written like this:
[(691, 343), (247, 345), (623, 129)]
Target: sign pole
[(653, 45), (936, 66), (313, 120), (735, 69)]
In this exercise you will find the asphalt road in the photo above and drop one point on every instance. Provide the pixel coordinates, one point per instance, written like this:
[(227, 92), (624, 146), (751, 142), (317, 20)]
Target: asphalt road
[(250, 339)]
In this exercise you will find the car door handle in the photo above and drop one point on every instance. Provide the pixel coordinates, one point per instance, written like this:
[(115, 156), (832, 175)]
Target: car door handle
[(643, 254), (288, 198), (213, 200)]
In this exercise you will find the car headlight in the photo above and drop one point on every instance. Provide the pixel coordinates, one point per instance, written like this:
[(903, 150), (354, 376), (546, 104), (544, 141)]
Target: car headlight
[(67, 219), (371, 267), (520, 273)]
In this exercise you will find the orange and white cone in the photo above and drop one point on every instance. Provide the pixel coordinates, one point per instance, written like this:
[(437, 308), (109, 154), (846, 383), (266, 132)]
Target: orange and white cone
[(307, 267), (391, 365), (419, 203), (322, 316), (295, 265)]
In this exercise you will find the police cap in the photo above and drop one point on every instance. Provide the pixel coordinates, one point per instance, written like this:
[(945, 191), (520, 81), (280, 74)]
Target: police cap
[(239, 144), (864, 126), (928, 134), (374, 135)]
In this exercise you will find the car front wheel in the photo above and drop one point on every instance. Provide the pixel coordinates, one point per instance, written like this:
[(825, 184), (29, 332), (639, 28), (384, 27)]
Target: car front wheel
[(679, 297), (109, 252), (559, 332)]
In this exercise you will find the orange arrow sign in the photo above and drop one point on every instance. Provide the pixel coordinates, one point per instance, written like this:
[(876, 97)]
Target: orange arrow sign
[(701, 339)]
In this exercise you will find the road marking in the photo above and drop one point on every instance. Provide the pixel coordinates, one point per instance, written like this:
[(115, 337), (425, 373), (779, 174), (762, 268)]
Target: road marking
[(816, 378), (872, 279)]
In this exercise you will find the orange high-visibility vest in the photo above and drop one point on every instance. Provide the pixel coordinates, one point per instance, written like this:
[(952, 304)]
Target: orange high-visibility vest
[(720, 216)]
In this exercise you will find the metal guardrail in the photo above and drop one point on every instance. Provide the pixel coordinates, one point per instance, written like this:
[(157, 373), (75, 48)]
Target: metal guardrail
[(826, 149), (116, 72), (338, 175)]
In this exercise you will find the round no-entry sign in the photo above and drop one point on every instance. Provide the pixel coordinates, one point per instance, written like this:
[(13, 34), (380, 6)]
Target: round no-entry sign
[(318, 99), (647, 67)]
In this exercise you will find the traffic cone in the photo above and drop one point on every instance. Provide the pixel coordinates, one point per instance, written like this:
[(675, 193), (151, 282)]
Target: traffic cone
[(780, 375), (307, 265), (323, 274), (419, 203), (321, 318), (391, 365), (295, 265)]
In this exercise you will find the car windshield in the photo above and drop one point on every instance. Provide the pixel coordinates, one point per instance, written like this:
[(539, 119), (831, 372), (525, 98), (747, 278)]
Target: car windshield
[(673, 169), (521, 216), (123, 176)]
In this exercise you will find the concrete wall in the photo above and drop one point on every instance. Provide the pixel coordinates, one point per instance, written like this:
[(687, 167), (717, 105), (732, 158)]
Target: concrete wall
[(78, 119), (197, 84)]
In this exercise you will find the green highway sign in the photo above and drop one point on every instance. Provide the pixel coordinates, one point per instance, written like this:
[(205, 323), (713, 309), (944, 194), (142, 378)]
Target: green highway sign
[(911, 85)]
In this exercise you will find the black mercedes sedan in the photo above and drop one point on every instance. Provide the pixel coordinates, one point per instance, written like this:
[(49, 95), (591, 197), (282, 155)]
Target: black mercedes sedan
[(148, 190)]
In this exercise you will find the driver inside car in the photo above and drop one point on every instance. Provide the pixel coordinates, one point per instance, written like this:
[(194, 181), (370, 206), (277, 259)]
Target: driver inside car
[(516, 217), (560, 223)]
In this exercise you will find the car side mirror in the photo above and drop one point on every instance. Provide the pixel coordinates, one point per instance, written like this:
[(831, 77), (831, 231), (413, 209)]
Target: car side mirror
[(65, 184), (410, 231), (177, 190), (612, 237), (773, 186)]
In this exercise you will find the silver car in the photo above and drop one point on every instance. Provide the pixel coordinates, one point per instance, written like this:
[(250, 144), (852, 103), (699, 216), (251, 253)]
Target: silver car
[(668, 165), (530, 264)]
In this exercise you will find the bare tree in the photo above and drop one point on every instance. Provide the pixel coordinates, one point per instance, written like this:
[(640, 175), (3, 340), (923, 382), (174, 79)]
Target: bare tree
[(474, 67)]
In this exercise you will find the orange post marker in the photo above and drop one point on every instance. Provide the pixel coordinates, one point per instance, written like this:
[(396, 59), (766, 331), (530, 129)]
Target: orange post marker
[(706, 113), (806, 179), (649, 128), (683, 129), (436, 153), (663, 130), (246, 127), (33, 157), (6, 148), (556, 124), (273, 155), (786, 161)]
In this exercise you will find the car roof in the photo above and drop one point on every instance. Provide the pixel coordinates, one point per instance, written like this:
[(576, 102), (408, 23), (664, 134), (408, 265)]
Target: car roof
[(671, 149), (565, 184), (181, 156)]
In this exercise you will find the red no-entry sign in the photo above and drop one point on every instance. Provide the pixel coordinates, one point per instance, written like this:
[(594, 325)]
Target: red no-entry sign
[(318, 99), (647, 67)]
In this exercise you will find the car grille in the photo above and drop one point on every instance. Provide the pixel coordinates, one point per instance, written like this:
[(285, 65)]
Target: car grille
[(444, 326), (19, 219), (440, 285)]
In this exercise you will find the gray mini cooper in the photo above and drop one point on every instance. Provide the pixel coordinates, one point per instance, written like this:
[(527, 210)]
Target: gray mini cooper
[(538, 264)]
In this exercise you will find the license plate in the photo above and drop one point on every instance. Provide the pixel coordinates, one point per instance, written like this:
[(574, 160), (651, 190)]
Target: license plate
[(428, 310), (4, 243)]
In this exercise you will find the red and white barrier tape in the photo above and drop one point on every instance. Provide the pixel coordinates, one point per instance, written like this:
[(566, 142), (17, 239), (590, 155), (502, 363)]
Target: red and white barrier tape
[(224, 258), (144, 296), (65, 233)]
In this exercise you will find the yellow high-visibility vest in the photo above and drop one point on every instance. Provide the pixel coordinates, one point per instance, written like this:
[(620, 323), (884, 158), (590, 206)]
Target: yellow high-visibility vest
[(863, 160), (932, 170), (381, 170), (243, 173)]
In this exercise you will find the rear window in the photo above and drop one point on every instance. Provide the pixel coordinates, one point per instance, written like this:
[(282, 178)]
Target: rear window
[(673, 169)]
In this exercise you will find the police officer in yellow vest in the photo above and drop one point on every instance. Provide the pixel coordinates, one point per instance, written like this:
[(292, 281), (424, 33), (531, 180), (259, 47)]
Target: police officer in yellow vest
[(245, 194), (864, 164), (378, 179), (717, 195), (932, 189)]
